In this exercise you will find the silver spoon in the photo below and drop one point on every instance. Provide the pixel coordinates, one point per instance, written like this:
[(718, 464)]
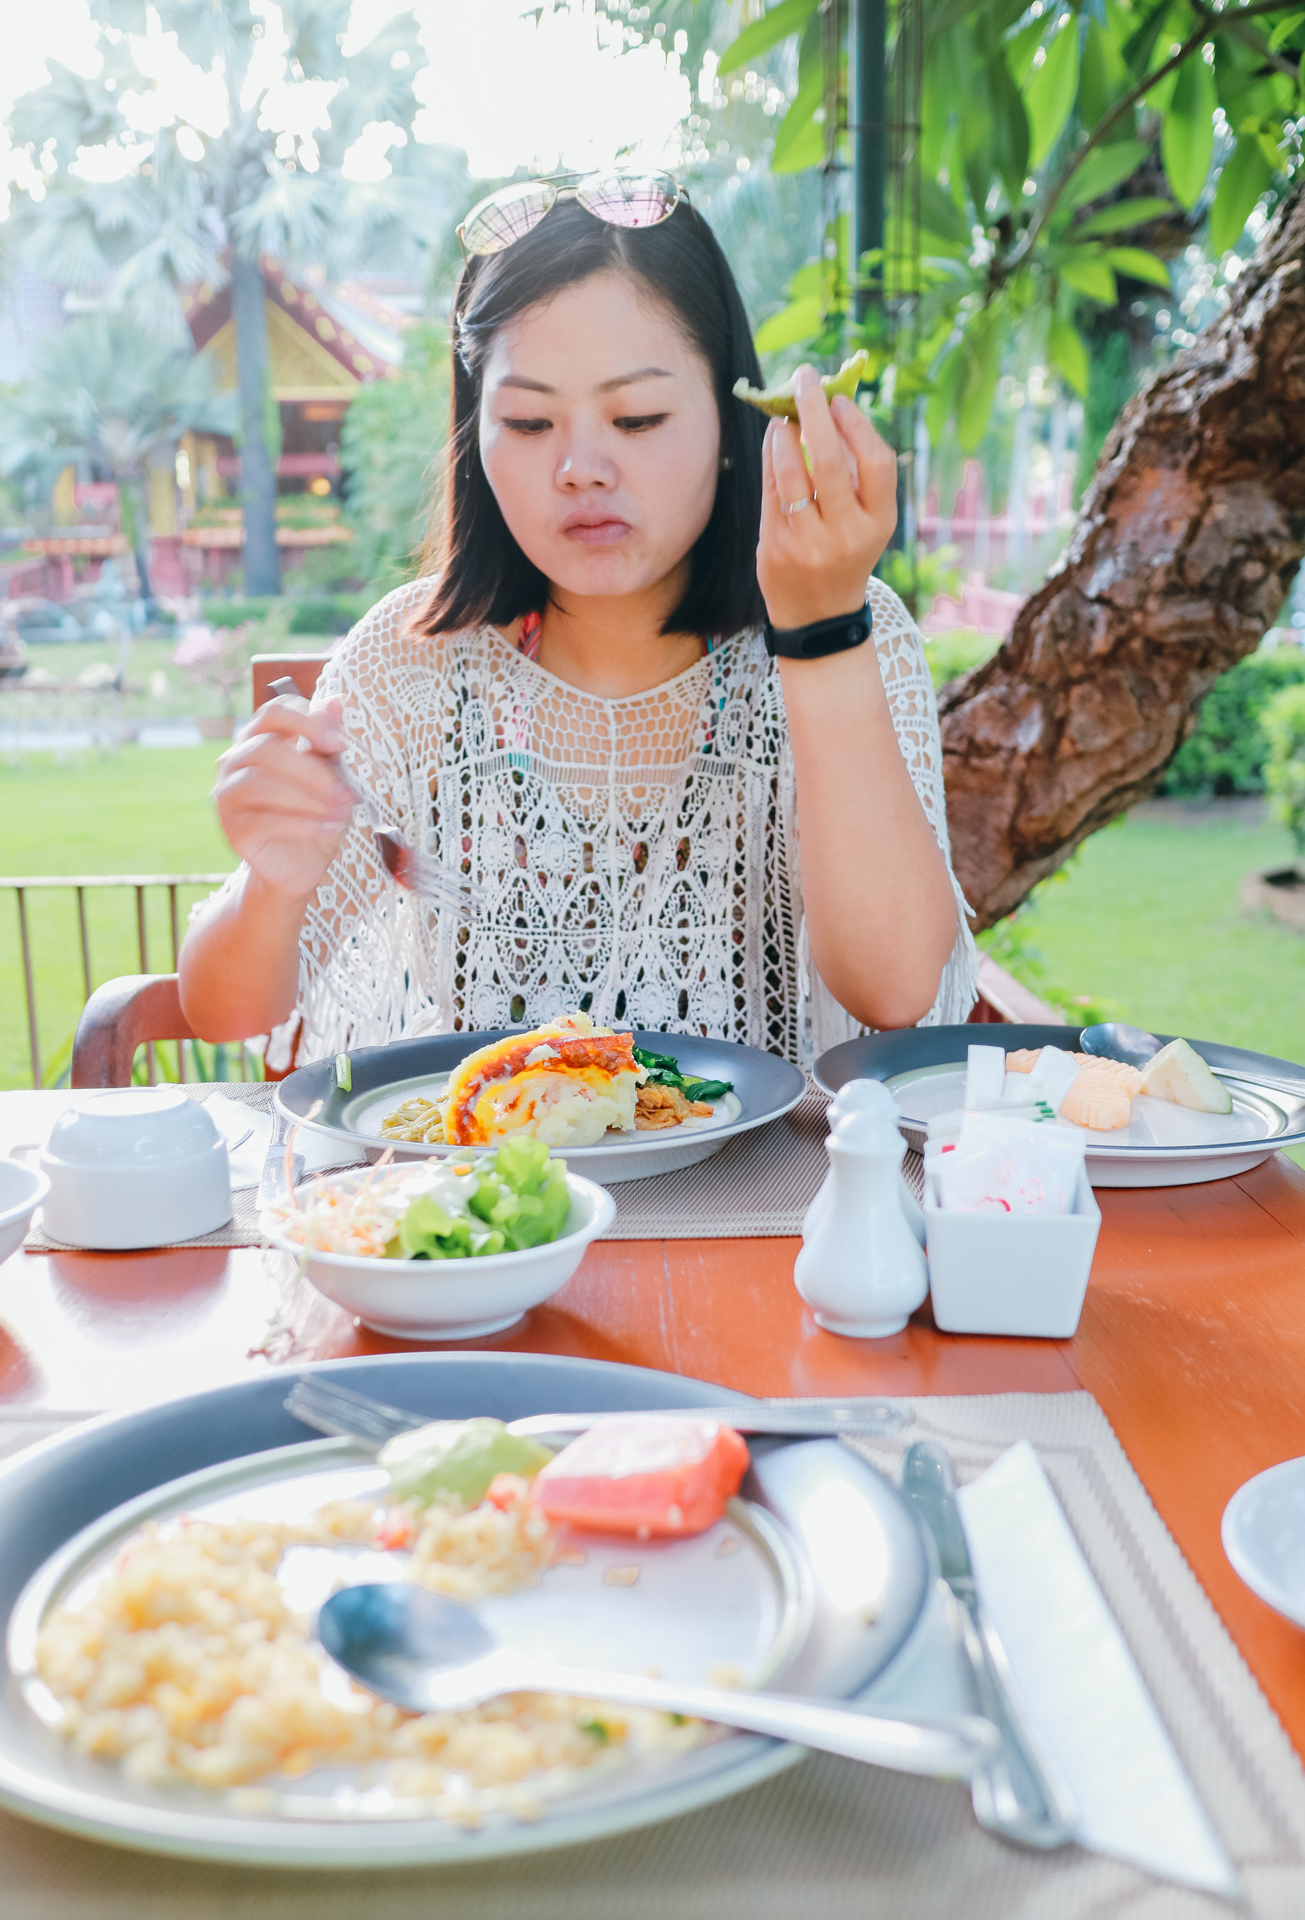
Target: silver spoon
[(1116, 1040), (428, 1654)]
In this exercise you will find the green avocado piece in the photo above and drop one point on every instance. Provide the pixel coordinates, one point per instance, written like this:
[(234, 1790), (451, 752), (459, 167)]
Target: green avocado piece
[(782, 402), (458, 1457)]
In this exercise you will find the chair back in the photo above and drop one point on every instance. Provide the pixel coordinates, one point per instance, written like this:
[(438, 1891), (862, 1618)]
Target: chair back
[(305, 669)]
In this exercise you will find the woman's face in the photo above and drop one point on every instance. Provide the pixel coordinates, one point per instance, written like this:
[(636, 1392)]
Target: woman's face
[(600, 437)]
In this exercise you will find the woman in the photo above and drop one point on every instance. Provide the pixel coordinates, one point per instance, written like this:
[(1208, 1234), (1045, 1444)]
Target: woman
[(689, 792)]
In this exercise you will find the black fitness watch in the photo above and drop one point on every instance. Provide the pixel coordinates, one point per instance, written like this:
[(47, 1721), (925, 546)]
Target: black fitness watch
[(821, 638)]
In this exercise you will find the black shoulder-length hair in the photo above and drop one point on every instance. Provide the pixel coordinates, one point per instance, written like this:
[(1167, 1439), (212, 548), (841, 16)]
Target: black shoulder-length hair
[(483, 576)]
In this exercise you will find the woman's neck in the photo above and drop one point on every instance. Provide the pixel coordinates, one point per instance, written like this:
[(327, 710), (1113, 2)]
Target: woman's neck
[(614, 646)]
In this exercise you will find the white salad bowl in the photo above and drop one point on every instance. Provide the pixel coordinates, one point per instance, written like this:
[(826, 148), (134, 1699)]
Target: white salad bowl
[(448, 1299), (22, 1190)]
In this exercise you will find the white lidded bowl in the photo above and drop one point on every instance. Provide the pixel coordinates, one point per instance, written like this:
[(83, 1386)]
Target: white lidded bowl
[(448, 1299), (135, 1167), (22, 1190)]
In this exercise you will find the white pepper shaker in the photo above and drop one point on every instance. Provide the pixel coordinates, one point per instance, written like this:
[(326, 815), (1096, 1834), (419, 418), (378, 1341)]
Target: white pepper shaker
[(864, 1096), (861, 1268)]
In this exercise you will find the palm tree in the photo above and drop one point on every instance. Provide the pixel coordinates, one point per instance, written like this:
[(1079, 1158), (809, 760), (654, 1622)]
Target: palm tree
[(205, 200), (100, 392)]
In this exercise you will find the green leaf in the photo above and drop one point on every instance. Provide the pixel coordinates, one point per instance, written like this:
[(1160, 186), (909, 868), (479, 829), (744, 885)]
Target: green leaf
[(940, 215), (791, 151), (1010, 128), (941, 401), (1089, 273), (981, 364), (790, 16), (1104, 169), (1187, 136), (1050, 92), (1123, 215), (1068, 351), (1138, 264), (1284, 31), (1246, 174), (800, 320), (1020, 49), (1094, 88)]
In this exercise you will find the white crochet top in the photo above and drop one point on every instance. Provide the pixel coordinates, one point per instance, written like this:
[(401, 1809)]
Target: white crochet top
[(638, 858)]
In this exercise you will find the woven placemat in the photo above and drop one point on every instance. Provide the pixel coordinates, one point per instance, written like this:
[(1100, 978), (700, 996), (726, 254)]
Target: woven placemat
[(758, 1186), (828, 1840)]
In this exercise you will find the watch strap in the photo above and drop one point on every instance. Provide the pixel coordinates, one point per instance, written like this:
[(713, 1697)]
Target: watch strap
[(821, 638)]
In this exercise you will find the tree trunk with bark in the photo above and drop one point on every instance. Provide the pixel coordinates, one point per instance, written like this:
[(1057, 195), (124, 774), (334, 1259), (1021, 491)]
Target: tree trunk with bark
[(257, 478), (1186, 545)]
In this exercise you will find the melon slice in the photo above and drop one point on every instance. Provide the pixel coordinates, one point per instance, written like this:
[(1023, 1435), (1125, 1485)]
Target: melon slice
[(1178, 1073)]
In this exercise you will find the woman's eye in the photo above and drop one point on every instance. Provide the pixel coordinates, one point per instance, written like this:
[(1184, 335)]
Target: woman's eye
[(639, 422), (527, 426)]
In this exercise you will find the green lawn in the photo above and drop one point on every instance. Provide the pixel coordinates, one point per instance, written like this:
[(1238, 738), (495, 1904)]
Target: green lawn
[(146, 810)]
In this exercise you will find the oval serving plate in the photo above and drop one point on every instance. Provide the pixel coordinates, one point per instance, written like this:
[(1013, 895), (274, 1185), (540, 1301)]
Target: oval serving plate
[(1163, 1146), (826, 1584), (765, 1088)]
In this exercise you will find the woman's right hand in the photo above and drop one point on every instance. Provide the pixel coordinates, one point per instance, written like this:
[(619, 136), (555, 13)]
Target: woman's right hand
[(283, 808)]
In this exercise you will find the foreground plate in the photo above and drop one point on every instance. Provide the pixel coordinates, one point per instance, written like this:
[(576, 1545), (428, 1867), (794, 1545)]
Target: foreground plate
[(823, 1532), (1163, 1146), (1263, 1534), (765, 1088)]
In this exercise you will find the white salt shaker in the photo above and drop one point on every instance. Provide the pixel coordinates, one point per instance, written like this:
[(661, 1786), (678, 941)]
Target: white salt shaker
[(861, 1267), (864, 1096)]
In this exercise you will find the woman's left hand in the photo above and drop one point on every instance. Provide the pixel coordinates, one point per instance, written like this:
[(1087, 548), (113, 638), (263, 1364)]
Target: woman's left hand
[(813, 563)]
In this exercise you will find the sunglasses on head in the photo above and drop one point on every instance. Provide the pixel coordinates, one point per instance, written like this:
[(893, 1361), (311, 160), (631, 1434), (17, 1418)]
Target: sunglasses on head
[(621, 199)]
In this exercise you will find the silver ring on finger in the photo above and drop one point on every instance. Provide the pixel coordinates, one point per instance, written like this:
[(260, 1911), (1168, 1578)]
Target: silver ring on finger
[(796, 506)]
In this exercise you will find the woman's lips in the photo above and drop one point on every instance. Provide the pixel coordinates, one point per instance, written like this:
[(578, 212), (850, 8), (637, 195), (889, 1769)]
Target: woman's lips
[(596, 533)]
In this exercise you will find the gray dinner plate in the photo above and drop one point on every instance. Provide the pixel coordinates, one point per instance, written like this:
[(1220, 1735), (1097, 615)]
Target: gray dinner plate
[(765, 1087), (825, 1525), (1163, 1146)]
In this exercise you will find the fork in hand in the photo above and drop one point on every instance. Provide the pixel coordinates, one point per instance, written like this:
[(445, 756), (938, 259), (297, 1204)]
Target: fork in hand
[(409, 868)]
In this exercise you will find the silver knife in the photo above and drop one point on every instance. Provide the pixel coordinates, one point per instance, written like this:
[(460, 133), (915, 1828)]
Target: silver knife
[(1019, 1794)]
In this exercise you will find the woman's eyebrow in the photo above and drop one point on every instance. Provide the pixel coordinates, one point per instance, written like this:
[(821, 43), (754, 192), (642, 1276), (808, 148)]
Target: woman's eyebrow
[(628, 379), (604, 386)]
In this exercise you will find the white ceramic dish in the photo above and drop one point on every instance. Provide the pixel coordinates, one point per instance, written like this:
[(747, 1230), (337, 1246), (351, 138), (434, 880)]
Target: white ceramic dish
[(134, 1167), (22, 1189), (1263, 1533), (765, 1087), (830, 1587), (1163, 1146), (998, 1273), (449, 1299)]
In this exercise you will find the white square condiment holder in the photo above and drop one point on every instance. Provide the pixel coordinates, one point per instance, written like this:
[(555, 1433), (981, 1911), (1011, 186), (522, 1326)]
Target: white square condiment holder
[(1009, 1273)]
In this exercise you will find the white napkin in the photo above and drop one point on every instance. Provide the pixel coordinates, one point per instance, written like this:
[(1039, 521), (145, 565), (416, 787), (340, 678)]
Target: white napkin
[(1079, 1682)]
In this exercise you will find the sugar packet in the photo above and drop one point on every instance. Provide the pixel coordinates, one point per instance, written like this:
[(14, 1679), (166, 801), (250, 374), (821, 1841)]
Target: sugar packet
[(1003, 1163)]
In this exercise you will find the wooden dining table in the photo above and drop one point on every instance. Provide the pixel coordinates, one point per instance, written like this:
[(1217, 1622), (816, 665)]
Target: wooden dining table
[(1192, 1340)]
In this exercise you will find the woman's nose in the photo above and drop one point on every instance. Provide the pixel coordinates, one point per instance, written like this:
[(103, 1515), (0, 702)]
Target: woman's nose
[(584, 466)]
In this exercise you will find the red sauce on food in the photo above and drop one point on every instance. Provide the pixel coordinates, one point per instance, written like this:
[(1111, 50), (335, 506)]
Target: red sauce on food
[(609, 1052)]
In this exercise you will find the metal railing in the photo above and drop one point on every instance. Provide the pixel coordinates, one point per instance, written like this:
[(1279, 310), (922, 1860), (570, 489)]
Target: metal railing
[(23, 885)]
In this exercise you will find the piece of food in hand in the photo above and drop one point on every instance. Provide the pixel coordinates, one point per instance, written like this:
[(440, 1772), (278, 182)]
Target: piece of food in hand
[(781, 401), (644, 1474), (457, 1460), (564, 1084), (1101, 1099), (1178, 1073)]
